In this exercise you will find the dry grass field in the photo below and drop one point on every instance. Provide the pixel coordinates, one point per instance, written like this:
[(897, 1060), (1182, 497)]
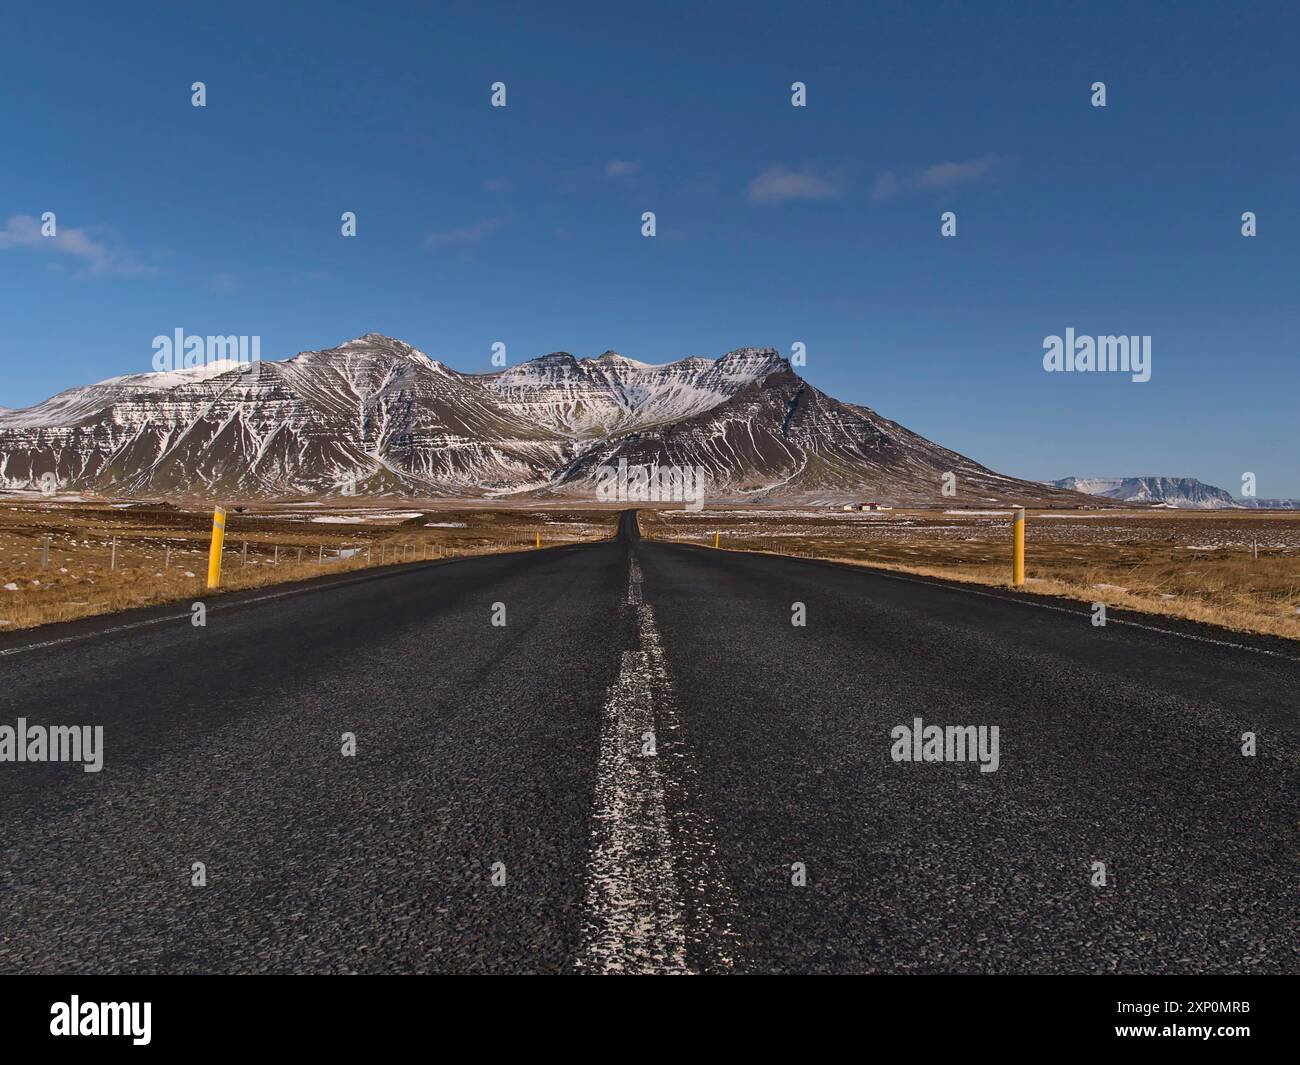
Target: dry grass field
[(105, 556), (1239, 569)]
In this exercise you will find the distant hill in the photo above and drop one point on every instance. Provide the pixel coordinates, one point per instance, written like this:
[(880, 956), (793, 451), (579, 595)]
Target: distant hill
[(1270, 504), (1182, 492)]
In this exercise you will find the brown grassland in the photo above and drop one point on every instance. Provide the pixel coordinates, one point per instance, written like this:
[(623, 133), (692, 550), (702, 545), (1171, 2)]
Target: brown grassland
[(1237, 569), (162, 550)]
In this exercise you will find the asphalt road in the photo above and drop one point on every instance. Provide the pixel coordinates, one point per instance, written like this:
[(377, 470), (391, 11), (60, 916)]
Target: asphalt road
[(654, 754)]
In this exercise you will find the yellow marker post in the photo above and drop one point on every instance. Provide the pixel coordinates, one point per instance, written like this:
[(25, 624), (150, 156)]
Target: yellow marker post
[(715, 537), (218, 540), (1018, 547), (539, 537)]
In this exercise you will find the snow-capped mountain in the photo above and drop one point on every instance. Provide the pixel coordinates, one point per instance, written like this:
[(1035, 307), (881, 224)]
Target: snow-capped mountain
[(780, 438), (586, 398), (1182, 492), (372, 415), (375, 415), (76, 404)]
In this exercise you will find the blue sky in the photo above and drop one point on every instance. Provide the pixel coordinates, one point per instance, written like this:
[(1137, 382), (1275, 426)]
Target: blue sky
[(775, 224)]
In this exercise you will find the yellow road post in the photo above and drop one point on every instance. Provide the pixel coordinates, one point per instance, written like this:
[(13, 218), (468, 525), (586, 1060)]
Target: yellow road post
[(1018, 547), (715, 537), (218, 540), (539, 537)]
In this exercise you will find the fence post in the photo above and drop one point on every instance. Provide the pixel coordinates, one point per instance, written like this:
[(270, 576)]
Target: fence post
[(1018, 547), (214, 552)]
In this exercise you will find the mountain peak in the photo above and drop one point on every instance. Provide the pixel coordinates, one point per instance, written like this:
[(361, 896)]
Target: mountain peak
[(753, 362), (751, 353), (613, 358), (372, 344), (377, 340)]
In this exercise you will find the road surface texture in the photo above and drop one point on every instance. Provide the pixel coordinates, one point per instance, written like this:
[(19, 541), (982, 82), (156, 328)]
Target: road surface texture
[(647, 767)]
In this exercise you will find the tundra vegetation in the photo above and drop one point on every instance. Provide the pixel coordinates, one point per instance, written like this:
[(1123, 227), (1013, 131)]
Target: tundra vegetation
[(1238, 569), (161, 552)]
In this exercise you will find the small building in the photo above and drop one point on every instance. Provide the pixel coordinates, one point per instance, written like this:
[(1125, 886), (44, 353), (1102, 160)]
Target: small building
[(874, 506)]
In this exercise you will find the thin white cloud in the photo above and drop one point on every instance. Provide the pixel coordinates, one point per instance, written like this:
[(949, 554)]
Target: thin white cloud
[(470, 234), (97, 259), (940, 176), (616, 168), (946, 175), (778, 184)]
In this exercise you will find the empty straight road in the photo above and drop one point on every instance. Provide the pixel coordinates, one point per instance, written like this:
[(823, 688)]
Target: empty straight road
[(648, 767)]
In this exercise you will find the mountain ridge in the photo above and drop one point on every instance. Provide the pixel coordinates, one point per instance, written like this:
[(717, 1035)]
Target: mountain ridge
[(1183, 492), (376, 415)]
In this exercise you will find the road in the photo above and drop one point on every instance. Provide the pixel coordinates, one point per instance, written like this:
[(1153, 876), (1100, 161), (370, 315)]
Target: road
[(647, 767)]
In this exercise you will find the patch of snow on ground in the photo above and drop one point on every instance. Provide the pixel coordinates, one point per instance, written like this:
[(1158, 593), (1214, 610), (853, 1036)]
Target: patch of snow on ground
[(366, 516)]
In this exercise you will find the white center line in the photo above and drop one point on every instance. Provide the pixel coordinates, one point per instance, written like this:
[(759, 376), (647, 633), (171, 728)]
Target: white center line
[(641, 850)]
